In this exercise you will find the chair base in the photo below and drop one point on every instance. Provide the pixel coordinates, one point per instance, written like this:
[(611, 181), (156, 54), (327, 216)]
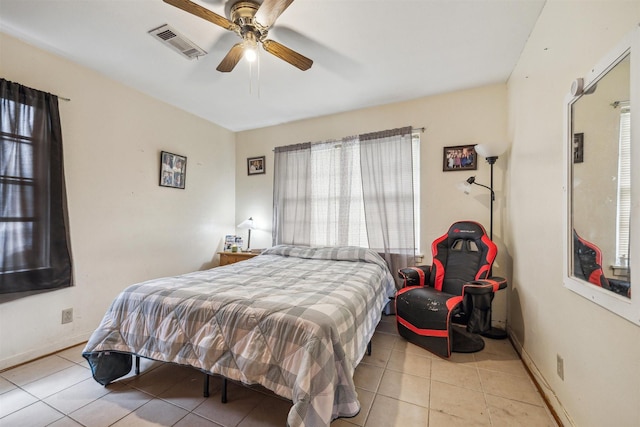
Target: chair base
[(465, 342), (424, 316)]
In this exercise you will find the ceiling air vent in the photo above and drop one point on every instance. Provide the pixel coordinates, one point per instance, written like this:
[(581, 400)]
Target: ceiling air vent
[(177, 41)]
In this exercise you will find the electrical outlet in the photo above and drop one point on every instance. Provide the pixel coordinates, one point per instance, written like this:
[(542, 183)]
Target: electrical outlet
[(560, 366), (67, 315)]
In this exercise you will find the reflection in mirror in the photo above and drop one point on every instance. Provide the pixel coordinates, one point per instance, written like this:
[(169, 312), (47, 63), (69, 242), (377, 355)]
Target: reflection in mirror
[(601, 184)]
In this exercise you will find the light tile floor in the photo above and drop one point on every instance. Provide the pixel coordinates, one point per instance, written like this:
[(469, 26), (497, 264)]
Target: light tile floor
[(400, 384)]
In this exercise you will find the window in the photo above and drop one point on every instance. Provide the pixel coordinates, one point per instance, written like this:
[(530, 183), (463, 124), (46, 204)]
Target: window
[(337, 206), (338, 215), (21, 220), (624, 188), (359, 191), (319, 194), (34, 253), (415, 146)]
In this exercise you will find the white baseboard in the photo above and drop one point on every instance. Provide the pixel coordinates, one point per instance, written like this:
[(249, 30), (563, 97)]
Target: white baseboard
[(548, 394), (37, 353)]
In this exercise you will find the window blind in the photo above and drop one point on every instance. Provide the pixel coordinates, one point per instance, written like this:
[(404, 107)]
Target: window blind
[(624, 188)]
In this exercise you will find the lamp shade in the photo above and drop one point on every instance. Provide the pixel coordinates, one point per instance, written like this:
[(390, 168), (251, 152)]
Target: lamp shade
[(247, 223), (493, 150), (465, 187)]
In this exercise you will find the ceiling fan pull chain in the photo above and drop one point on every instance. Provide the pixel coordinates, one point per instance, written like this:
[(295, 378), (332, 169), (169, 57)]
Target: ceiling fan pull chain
[(258, 65), (250, 78), (257, 62)]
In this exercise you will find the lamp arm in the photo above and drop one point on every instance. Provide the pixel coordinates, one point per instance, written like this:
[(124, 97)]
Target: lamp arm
[(493, 194)]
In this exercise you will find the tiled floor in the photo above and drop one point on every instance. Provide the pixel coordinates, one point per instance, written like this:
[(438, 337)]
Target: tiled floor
[(400, 384)]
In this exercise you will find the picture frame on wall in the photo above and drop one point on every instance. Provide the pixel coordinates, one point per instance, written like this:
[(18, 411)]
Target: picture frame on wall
[(459, 158), (256, 165), (173, 170)]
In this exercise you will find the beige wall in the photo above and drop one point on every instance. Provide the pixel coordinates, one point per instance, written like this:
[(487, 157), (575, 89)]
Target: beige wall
[(467, 117), (600, 350), (124, 227)]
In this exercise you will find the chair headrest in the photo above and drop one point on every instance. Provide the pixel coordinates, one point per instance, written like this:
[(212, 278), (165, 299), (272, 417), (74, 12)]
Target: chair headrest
[(467, 230)]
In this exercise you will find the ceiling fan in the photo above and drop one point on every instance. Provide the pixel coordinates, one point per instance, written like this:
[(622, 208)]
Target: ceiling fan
[(251, 21)]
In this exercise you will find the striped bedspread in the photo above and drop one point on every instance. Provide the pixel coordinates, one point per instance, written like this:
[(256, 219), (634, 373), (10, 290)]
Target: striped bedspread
[(296, 320)]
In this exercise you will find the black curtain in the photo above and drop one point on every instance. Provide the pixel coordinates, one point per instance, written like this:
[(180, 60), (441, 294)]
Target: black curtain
[(34, 242)]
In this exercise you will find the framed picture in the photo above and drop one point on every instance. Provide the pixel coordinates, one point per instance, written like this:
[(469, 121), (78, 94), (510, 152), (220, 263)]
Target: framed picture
[(173, 170), (255, 165), (459, 158), (578, 147)]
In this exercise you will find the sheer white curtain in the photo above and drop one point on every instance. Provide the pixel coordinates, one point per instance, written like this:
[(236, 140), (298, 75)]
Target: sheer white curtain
[(292, 195), (386, 162), (357, 191), (337, 217)]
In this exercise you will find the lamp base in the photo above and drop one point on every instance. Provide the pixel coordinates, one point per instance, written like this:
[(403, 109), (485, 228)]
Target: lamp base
[(495, 334), (248, 242)]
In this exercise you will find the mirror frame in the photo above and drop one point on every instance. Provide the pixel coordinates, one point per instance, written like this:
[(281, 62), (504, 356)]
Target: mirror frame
[(628, 308)]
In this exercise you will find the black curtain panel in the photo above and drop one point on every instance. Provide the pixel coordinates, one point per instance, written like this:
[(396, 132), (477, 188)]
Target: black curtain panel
[(34, 243)]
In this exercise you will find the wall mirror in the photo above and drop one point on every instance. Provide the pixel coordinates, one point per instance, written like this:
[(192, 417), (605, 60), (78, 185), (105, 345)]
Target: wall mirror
[(602, 149)]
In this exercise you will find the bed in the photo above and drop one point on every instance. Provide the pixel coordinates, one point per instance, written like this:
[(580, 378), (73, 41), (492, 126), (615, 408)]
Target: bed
[(296, 320)]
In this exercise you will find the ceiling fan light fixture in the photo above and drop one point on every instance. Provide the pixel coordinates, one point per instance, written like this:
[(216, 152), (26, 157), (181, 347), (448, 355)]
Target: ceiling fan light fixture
[(250, 55), (250, 52), (250, 46)]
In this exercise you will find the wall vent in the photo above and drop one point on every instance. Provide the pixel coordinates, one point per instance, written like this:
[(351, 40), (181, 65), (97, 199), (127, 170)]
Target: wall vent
[(176, 41)]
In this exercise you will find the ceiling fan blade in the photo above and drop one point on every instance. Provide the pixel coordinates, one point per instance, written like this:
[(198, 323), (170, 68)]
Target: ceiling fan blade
[(204, 13), (286, 54), (270, 10), (234, 56)]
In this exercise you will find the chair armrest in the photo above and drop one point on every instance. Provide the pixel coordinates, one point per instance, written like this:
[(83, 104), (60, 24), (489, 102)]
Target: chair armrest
[(484, 286), (415, 276), (621, 287)]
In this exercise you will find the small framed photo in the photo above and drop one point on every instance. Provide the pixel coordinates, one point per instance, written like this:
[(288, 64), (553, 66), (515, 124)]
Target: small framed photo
[(578, 147), (173, 170), (459, 158), (255, 165)]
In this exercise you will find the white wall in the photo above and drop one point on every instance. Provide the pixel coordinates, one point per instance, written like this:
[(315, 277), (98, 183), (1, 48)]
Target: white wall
[(466, 117), (600, 350), (125, 228)]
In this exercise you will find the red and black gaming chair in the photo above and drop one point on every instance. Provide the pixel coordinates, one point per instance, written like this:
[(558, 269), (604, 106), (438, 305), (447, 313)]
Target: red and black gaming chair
[(587, 265), (455, 288), (587, 262)]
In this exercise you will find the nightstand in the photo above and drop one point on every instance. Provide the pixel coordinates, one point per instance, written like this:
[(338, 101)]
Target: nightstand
[(231, 257)]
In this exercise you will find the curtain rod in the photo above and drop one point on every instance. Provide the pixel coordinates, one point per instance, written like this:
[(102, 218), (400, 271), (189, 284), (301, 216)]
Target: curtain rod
[(413, 130), (616, 104), (58, 96)]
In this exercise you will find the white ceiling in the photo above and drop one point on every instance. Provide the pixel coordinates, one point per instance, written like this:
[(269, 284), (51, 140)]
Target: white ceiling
[(365, 52)]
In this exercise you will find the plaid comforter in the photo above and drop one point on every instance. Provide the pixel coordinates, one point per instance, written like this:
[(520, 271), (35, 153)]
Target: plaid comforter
[(296, 320)]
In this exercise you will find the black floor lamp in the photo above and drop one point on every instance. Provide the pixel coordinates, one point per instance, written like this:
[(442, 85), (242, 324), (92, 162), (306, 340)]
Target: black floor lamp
[(472, 180), (491, 158)]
